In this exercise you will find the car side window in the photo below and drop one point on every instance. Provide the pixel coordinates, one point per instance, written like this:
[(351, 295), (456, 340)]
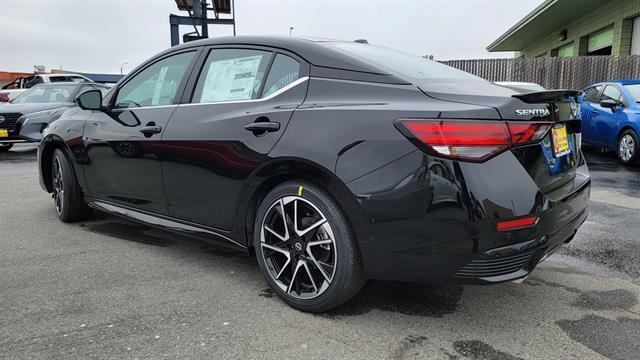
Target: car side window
[(284, 71), (15, 84), (55, 79), (76, 79), (156, 85), (612, 93), (592, 94), (231, 75), (33, 82)]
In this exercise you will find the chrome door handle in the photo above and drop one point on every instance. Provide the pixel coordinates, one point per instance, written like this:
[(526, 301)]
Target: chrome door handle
[(151, 129)]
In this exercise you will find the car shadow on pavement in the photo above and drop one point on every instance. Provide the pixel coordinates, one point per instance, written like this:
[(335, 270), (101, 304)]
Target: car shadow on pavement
[(405, 298), (412, 299), (123, 229)]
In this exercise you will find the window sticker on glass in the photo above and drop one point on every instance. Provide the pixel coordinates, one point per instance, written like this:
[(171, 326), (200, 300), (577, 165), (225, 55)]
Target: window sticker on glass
[(233, 79)]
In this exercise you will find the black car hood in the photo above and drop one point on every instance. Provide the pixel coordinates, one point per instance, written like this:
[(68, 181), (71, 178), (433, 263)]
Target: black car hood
[(31, 107)]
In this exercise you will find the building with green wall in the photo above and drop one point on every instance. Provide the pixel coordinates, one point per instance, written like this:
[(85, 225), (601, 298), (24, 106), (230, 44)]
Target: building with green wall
[(559, 28)]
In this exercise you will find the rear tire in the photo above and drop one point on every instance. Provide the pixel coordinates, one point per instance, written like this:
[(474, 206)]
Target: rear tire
[(309, 256), (629, 148), (5, 147), (67, 195)]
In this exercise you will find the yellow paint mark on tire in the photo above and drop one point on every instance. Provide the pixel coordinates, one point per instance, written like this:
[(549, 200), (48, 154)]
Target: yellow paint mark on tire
[(300, 190)]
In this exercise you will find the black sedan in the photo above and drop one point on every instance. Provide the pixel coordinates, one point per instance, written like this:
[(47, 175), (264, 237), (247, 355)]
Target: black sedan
[(25, 117), (332, 162)]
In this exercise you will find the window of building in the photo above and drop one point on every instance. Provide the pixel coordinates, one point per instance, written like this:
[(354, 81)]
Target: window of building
[(635, 37), (601, 42), (564, 51)]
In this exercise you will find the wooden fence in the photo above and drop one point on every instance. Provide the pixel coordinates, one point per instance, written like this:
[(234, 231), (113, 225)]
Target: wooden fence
[(554, 73)]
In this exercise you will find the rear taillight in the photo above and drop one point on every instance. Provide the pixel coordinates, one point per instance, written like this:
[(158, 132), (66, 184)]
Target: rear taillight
[(517, 224), (470, 140)]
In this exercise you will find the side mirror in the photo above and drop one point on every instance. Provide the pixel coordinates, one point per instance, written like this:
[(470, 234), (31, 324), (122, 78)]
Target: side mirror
[(609, 104), (90, 100)]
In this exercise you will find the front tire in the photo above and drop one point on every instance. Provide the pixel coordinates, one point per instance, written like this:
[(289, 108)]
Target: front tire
[(629, 147), (306, 248), (5, 147), (67, 195)]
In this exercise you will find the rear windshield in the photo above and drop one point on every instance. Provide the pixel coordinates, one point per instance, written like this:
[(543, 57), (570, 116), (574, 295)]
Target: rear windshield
[(634, 90), (45, 94), (403, 64)]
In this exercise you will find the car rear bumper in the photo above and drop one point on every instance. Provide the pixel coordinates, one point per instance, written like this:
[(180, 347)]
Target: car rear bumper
[(434, 220), (518, 260)]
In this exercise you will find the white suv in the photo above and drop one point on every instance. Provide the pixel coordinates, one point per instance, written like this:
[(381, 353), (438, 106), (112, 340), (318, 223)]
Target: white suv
[(19, 85)]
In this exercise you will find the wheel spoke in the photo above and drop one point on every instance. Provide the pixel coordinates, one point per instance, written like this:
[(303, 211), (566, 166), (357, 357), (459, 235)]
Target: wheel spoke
[(315, 261), (284, 220), (276, 248), (313, 282), (275, 233), (311, 227), (294, 279)]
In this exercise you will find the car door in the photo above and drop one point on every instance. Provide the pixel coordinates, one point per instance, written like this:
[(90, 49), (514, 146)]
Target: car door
[(591, 97), (122, 143), (604, 121), (237, 110)]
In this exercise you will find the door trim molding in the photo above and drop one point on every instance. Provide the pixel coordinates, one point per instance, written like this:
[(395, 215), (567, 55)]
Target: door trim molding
[(164, 222)]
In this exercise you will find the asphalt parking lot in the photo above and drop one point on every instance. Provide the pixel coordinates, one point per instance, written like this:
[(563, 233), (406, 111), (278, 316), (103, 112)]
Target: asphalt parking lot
[(109, 288)]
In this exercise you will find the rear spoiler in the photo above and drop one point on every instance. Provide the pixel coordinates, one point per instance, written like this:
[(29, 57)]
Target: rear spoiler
[(550, 96)]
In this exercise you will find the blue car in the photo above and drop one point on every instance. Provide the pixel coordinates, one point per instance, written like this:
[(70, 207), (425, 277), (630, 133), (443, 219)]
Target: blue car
[(611, 118)]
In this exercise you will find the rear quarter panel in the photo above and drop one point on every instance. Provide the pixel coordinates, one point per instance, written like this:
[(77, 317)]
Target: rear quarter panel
[(347, 126)]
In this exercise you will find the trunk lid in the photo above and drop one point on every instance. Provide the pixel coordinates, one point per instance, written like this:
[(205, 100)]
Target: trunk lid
[(551, 170)]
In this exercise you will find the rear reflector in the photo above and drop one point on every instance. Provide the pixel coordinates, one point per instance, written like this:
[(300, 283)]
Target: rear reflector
[(517, 224), (470, 140)]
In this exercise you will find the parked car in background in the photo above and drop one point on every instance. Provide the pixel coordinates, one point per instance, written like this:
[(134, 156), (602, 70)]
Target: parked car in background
[(611, 118), (19, 85), (25, 117), (521, 86), (331, 161)]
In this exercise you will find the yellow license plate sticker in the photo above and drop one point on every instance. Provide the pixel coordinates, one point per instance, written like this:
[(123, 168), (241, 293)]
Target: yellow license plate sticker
[(560, 141), (4, 133)]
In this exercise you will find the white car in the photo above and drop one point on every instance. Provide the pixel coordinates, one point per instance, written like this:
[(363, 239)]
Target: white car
[(19, 85)]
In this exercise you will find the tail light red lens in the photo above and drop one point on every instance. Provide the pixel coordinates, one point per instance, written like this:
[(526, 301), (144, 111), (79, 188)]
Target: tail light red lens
[(517, 224), (470, 140)]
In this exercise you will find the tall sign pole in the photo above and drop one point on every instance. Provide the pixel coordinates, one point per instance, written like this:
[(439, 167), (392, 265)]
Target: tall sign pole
[(198, 11)]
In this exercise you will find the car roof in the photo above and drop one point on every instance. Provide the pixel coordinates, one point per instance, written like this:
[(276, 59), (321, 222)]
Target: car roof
[(316, 51), (627, 82), (621, 82), (62, 75)]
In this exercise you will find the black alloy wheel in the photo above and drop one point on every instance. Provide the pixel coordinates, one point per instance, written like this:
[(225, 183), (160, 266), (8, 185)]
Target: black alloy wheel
[(306, 248)]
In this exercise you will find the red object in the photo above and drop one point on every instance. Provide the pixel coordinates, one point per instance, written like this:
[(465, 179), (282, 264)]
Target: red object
[(473, 140), (517, 224)]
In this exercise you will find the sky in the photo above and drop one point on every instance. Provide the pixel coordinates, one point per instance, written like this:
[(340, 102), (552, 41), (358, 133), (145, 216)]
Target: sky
[(107, 35)]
